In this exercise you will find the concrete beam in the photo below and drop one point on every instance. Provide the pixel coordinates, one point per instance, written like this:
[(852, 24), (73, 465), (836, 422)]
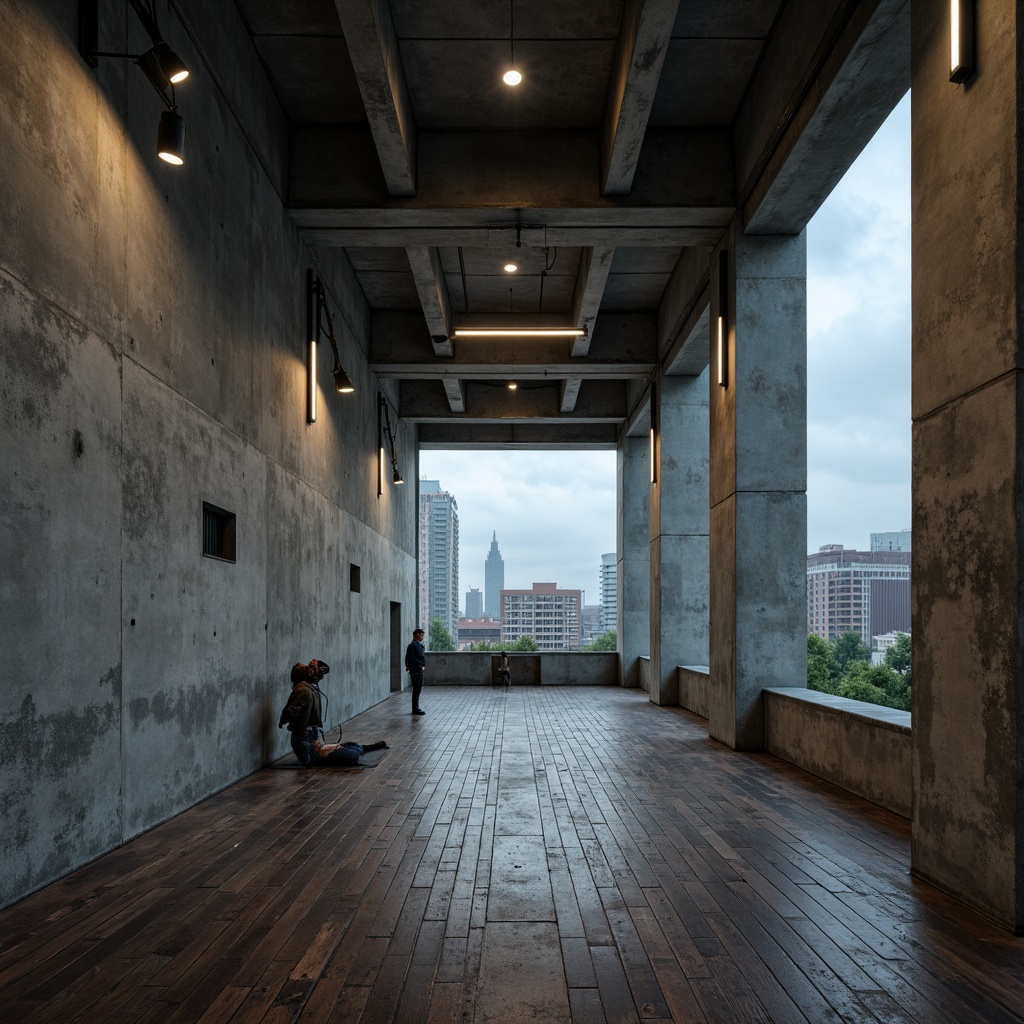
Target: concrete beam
[(600, 402), (684, 300), (373, 47), (509, 173), (644, 34), (456, 396), (586, 301), (425, 263), (550, 437), (799, 130), (569, 393)]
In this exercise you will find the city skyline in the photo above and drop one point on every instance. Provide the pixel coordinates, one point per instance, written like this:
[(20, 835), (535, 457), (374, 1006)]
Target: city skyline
[(858, 404)]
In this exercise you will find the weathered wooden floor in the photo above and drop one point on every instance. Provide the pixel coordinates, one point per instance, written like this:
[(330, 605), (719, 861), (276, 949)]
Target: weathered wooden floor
[(547, 854)]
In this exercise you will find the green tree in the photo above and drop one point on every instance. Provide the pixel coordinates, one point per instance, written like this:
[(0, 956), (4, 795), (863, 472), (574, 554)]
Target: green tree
[(822, 670), (861, 689), (847, 648), (605, 642), (439, 637), (897, 657), (484, 645), (524, 643), (876, 684)]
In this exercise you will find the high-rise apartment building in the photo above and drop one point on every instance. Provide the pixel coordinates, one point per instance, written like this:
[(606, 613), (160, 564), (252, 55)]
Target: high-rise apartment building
[(609, 591), (494, 579), (474, 604), (438, 557), (551, 616), (866, 592)]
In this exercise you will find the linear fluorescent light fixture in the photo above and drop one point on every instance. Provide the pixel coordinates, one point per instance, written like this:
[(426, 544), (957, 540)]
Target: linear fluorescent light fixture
[(654, 433), (961, 39), (519, 332), (722, 350)]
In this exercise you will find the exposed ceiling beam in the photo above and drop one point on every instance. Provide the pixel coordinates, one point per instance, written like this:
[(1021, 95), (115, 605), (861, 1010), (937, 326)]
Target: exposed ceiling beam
[(433, 292), (644, 34), (455, 394), (373, 47), (600, 402), (511, 174), (586, 301), (562, 436)]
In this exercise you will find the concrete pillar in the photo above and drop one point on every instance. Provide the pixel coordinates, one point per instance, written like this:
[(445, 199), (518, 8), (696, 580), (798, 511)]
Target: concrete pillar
[(758, 485), (633, 483), (968, 505), (679, 534)]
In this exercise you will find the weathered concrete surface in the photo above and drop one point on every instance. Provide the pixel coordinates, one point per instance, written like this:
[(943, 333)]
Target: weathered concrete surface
[(758, 488), (633, 490), (859, 747), (679, 534), (547, 668), (968, 516), (693, 683), (152, 358)]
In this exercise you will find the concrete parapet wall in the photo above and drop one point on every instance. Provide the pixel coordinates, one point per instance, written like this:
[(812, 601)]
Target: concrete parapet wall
[(646, 673), (859, 747), (554, 668), (694, 681)]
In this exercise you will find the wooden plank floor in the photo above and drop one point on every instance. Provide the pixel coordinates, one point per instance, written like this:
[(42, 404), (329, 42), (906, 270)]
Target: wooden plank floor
[(543, 854)]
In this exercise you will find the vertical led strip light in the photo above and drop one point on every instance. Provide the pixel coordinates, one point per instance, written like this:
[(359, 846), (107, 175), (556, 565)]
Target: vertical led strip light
[(311, 333), (961, 39), (723, 319), (654, 432)]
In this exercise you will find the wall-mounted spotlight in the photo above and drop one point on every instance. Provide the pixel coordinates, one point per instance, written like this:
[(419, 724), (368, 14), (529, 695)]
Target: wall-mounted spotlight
[(160, 64), (385, 433), (961, 39), (320, 322), (722, 346)]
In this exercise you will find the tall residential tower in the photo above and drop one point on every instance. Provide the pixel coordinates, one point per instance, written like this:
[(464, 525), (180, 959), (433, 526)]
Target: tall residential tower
[(438, 557)]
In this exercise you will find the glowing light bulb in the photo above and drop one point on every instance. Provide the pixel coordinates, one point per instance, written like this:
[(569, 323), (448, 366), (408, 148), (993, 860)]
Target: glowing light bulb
[(511, 268), (512, 77)]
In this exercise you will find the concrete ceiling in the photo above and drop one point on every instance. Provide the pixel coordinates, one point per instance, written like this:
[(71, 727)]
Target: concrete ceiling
[(640, 128)]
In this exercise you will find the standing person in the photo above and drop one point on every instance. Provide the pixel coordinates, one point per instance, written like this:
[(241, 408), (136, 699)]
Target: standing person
[(415, 663), (504, 672)]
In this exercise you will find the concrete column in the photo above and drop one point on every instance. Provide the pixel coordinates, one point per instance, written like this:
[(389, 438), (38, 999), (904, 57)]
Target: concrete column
[(679, 534), (758, 485), (633, 482), (968, 505)]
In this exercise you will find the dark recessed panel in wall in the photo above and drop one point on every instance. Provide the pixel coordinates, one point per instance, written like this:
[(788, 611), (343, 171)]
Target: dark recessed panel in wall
[(218, 533)]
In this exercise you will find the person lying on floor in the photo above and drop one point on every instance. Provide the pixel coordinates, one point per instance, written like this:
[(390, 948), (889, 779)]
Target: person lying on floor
[(340, 755)]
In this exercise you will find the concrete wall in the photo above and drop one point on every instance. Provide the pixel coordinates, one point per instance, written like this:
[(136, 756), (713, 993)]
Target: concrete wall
[(860, 747), (152, 329), (550, 668), (693, 683)]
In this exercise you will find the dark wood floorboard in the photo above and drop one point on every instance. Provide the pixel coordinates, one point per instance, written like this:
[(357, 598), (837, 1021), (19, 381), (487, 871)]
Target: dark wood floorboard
[(559, 854)]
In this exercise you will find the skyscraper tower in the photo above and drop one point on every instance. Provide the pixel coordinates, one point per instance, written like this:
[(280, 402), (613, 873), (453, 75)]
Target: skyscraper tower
[(439, 557), (494, 579)]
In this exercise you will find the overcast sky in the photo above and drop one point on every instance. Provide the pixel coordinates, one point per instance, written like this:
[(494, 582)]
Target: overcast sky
[(554, 512)]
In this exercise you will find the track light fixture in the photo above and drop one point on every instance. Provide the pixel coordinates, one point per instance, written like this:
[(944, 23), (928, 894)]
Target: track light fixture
[(320, 322), (385, 433), (160, 64)]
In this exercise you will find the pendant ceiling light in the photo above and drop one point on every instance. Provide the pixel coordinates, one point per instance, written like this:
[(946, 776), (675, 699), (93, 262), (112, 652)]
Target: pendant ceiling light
[(512, 76)]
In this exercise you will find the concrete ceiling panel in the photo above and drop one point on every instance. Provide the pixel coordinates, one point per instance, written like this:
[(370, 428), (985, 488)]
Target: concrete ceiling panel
[(382, 260), (290, 17), (489, 19), (313, 78), (634, 291), (631, 259), (734, 19), (703, 80), (456, 84)]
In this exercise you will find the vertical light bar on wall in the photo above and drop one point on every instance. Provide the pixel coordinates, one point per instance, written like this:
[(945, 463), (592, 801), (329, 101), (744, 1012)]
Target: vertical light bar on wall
[(654, 433), (380, 445), (312, 325), (722, 347), (961, 39)]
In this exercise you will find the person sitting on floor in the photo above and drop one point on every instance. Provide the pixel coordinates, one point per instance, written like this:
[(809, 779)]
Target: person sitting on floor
[(504, 672), (304, 712), (341, 755)]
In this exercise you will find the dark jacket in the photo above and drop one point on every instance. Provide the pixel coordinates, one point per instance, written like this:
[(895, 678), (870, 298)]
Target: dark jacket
[(415, 657), (304, 709)]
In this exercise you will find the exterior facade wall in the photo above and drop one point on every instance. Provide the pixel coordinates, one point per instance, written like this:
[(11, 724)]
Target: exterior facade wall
[(152, 358), (494, 580), (551, 616), (609, 591), (439, 557), (474, 604)]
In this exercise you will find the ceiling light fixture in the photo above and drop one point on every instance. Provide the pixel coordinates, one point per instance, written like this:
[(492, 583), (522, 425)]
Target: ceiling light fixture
[(512, 385), (512, 76), (511, 268), (160, 64), (519, 332)]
